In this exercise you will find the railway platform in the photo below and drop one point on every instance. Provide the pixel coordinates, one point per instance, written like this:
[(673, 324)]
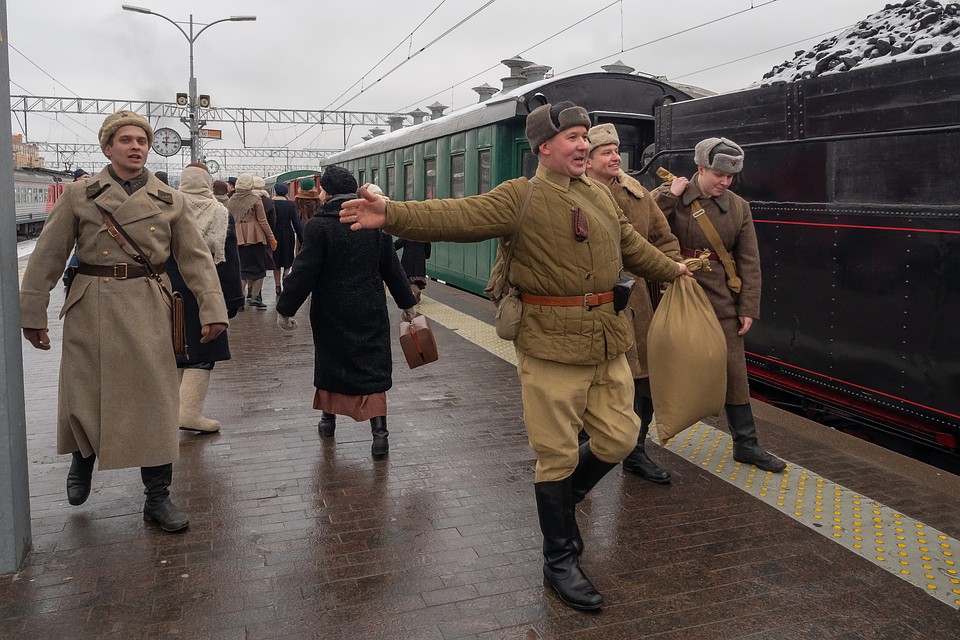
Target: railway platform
[(294, 536)]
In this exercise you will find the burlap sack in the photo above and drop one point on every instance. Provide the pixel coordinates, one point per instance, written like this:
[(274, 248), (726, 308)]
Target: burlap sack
[(687, 357)]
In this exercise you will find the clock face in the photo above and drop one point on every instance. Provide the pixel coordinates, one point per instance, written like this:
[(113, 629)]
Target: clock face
[(166, 141), (213, 166)]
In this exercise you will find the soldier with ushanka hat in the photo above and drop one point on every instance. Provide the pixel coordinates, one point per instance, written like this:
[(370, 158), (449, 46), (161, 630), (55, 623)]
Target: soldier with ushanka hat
[(603, 165), (735, 297), (118, 400), (571, 339)]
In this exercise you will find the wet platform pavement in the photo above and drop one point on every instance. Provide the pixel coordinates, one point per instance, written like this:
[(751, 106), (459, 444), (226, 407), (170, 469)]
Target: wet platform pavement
[(294, 536)]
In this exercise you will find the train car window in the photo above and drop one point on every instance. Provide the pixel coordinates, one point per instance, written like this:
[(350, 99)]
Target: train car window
[(530, 163), (375, 176), (408, 182), (391, 187), (457, 176), (430, 178), (483, 176), (360, 179)]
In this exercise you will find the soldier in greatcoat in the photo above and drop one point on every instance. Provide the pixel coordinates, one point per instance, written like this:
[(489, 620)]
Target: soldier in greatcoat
[(118, 398), (603, 165), (571, 247), (718, 161)]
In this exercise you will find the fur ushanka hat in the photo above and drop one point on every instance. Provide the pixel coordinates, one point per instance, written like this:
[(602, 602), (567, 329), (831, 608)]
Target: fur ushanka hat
[(548, 120), (602, 134), (122, 119), (719, 154)]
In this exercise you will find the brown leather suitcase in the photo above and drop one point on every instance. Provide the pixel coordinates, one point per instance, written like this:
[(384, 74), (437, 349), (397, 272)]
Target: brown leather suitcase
[(417, 341)]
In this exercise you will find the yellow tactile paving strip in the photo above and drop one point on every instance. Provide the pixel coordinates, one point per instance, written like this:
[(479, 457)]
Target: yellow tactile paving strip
[(921, 555)]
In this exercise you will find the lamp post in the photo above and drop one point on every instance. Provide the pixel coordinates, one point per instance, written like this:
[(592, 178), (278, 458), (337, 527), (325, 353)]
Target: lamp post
[(192, 120)]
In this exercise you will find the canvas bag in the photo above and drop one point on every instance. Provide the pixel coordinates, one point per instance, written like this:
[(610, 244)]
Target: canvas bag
[(687, 357), (499, 289)]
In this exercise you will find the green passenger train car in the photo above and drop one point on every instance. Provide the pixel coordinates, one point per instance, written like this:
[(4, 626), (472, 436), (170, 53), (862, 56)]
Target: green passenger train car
[(473, 149)]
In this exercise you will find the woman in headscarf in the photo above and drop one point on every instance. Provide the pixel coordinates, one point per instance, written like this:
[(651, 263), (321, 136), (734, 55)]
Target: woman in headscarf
[(288, 232), (253, 233), (345, 271), (216, 226)]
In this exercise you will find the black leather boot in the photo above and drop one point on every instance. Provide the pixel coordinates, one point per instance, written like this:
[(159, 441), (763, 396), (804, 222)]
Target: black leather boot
[(590, 470), (79, 478), (746, 448), (561, 563), (158, 507), (328, 424), (378, 427), (638, 462)]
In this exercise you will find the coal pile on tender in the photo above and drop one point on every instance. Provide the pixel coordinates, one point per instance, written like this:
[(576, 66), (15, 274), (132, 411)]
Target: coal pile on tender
[(908, 29)]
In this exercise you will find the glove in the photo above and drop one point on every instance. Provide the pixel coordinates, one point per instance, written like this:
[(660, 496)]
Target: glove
[(285, 323), (273, 245), (407, 315)]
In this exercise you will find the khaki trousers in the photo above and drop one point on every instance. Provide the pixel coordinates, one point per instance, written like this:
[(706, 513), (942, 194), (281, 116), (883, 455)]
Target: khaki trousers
[(559, 399)]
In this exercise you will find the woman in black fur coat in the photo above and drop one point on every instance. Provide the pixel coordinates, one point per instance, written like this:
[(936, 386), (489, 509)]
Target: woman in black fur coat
[(345, 271)]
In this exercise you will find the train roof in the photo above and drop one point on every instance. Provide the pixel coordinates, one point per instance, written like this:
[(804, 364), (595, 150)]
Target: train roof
[(505, 106)]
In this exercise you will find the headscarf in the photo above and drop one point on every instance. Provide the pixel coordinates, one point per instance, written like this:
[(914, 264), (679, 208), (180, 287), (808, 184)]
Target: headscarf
[(244, 199), (212, 217)]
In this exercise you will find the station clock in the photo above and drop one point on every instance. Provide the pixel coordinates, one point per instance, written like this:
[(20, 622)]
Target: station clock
[(166, 141)]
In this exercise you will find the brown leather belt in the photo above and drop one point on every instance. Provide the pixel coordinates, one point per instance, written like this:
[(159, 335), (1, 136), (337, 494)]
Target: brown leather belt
[(119, 271), (587, 300), (695, 253)]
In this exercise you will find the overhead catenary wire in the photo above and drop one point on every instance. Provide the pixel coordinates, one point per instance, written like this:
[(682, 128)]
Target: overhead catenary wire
[(407, 38), (418, 52)]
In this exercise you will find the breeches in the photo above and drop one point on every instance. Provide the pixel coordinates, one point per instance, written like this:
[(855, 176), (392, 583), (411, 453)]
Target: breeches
[(560, 399)]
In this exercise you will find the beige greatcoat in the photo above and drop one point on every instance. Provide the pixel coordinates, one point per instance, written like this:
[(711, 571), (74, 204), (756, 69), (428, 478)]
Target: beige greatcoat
[(548, 260), (643, 213), (730, 214), (119, 392)]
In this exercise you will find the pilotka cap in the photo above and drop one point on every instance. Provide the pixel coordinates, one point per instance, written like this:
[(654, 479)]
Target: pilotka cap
[(548, 120)]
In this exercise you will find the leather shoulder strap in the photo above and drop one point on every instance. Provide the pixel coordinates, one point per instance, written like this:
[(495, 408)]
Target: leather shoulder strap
[(729, 266), (525, 205)]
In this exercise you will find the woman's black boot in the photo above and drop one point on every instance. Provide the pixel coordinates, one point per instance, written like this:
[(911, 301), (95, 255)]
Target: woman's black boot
[(328, 424), (79, 478), (378, 427), (158, 508)]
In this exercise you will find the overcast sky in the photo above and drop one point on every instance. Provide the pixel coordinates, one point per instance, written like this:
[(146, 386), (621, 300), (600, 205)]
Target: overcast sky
[(308, 54)]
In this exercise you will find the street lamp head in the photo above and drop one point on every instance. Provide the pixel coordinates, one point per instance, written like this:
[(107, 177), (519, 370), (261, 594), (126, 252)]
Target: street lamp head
[(130, 7), (242, 18)]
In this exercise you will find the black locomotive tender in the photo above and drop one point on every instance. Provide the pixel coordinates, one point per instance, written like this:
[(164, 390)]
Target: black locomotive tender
[(852, 180)]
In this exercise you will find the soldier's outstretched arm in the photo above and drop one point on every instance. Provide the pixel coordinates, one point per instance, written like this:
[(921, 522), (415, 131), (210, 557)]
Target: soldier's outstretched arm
[(366, 212)]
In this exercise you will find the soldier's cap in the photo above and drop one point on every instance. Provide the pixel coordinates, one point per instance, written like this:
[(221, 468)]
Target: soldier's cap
[(719, 154), (602, 134), (122, 119), (548, 120)]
